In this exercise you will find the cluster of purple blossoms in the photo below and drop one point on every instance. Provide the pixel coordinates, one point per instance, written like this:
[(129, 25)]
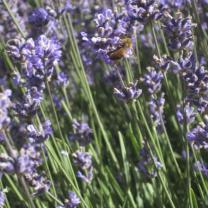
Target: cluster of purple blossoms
[(26, 163), (152, 80), (62, 79), (179, 32), (156, 109), (147, 165), (195, 78), (39, 136), (45, 21), (143, 10), (37, 59), (111, 29), (82, 133), (185, 114), (128, 93), (83, 161), (197, 87), (39, 17), (72, 201), (198, 136)]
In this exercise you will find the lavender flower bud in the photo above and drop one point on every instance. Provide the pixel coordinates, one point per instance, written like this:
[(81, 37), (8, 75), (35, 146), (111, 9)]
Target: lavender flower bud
[(82, 133), (156, 108), (39, 17), (143, 10), (186, 114), (179, 32), (39, 136), (72, 201), (152, 80), (147, 165), (198, 136), (83, 161), (128, 93)]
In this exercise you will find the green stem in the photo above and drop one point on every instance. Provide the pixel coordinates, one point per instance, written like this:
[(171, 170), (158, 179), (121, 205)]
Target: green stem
[(54, 110)]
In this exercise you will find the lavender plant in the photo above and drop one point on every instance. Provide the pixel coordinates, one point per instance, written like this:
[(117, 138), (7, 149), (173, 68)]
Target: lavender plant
[(134, 75)]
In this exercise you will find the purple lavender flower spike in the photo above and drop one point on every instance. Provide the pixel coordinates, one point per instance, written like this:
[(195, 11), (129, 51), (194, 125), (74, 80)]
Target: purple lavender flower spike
[(39, 136), (128, 93), (39, 17), (179, 32), (83, 161), (62, 79), (38, 57), (111, 28), (186, 114), (143, 10), (152, 80), (82, 133), (7, 164), (147, 165), (156, 108), (72, 201), (198, 136)]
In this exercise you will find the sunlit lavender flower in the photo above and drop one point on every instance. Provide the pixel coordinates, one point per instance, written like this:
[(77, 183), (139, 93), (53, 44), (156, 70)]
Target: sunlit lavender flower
[(128, 93), (152, 80), (72, 201), (5, 103), (185, 114), (147, 165), (110, 33), (2, 199), (198, 136), (39, 136), (201, 167), (82, 133), (7, 164), (38, 57), (29, 104), (39, 17), (156, 109), (27, 164), (28, 160), (83, 161), (62, 79), (143, 10), (197, 88), (179, 32)]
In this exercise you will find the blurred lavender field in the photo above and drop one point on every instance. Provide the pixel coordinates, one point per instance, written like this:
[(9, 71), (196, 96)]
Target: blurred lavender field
[(103, 103)]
